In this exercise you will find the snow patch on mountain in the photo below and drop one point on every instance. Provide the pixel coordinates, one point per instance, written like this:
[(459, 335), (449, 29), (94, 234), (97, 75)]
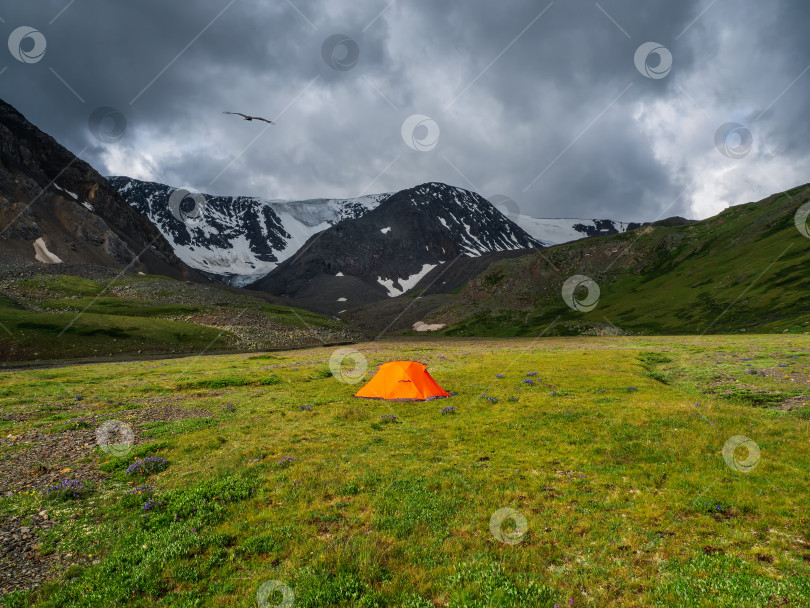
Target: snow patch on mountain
[(42, 254), (554, 231), (404, 284)]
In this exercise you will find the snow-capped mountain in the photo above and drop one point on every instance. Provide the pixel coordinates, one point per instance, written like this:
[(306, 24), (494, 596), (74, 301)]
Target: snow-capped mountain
[(555, 231), (388, 250), (238, 239)]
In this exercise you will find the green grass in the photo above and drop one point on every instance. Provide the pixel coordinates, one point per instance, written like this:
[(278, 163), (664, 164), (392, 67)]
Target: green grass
[(621, 478), (740, 271), (63, 317)]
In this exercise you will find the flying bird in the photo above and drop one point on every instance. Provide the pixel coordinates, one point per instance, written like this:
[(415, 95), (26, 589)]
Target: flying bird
[(246, 117)]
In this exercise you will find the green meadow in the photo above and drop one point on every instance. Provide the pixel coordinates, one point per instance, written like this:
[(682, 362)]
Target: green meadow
[(270, 478)]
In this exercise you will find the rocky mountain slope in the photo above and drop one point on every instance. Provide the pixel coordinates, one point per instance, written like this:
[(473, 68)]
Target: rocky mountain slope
[(56, 208), (390, 249), (238, 239), (742, 270)]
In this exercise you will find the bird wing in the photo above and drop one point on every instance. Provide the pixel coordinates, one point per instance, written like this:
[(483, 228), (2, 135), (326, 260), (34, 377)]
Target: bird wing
[(245, 116)]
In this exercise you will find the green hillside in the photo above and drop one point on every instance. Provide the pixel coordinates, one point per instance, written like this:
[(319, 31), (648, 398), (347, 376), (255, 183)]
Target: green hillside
[(744, 270), (60, 316)]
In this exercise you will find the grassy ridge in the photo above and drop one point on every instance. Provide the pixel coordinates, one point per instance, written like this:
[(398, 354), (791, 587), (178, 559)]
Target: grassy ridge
[(61, 316), (612, 453), (742, 270)]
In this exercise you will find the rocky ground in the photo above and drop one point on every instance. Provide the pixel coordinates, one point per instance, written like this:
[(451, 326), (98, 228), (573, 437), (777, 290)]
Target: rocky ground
[(39, 459)]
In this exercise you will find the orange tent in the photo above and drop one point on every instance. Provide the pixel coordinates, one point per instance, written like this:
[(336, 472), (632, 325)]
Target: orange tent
[(405, 380)]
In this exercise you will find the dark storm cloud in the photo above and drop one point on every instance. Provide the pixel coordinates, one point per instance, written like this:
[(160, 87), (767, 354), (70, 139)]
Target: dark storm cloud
[(538, 101)]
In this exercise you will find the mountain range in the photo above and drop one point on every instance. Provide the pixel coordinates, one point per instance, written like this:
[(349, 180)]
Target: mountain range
[(378, 246), (434, 256)]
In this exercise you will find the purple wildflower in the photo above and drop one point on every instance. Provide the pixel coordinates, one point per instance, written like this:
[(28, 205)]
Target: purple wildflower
[(632, 388), (145, 466), (531, 373), (151, 504), (81, 421), (492, 399), (144, 489), (388, 418), (284, 462), (68, 487), (528, 381), (500, 376), (228, 407), (305, 407), (448, 410)]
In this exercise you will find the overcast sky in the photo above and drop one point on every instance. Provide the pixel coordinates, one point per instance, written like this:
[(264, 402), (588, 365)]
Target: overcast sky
[(562, 106)]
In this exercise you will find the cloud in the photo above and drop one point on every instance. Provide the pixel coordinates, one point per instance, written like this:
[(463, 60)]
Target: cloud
[(541, 102)]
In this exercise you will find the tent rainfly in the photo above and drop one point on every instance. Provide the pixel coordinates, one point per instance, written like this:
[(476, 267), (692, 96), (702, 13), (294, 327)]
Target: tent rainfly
[(402, 380)]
